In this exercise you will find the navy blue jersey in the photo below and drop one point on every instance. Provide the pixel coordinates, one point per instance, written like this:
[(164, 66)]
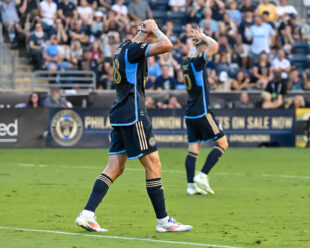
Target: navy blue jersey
[(195, 79), (130, 73)]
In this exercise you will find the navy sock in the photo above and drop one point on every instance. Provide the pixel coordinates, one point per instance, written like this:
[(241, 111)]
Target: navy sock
[(100, 188), (212, 158), (156, 193), (190, 164)]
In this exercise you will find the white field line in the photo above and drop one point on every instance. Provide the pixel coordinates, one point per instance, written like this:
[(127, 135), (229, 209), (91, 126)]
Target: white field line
[(116, 237), (286, 176), (168, 171)]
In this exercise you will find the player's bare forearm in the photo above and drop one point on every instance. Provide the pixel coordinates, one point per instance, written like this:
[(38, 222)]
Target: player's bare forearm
[(163, 44)]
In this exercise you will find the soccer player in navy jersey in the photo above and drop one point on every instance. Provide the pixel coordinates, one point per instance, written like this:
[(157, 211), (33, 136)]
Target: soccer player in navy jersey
[(200, 120), (132, 136)]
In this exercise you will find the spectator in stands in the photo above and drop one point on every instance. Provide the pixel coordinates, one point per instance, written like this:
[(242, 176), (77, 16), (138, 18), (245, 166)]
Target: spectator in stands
[(247, 5), (10, 17), (282, 65), (244, 102), (295, 83), (173, 103), (268, 7), (54, 100), (267, 103), (110, 42), (180, 81), (228, 28), (90, 64), (85, 13), (306, 30), (114, 22), (76, 53), (150, 103), (262, 72), (234, 13), (36, 44), (66, 8), (97, 27), (166, 59), (54, 60), (296, 102), (77, 33), (60, 32), (261, 36), (223, 83), (97, 53), (223, 65), (241, 82), (285, 10), (244, 26), (170, 32), (165, 82), (34, 101), (195, 11), (177, 5), (120, 8), (48, 12), (277, 88), (106, 81), (285, 38), (218, 8), (150, 82), (139, 10), (153, 67), (214, 27), (224, 51)]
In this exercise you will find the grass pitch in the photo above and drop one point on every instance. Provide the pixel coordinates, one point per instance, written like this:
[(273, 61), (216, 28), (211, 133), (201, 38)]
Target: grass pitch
[(262, 199)]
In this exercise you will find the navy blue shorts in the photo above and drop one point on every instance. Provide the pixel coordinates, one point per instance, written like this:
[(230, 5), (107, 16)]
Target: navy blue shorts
[(203, 129), (136, 140)]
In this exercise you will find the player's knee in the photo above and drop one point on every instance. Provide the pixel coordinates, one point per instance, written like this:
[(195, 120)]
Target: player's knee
[(194, 148), (223, 143)]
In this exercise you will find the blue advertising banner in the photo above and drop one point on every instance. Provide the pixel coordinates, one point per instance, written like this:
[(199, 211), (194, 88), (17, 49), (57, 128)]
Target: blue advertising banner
[(244, 128)]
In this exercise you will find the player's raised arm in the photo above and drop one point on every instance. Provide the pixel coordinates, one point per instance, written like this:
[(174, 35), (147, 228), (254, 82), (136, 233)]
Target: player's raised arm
[(163, 44), (212, 45)]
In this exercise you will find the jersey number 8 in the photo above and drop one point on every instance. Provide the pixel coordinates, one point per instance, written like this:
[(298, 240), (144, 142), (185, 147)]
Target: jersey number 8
[(187, 81), (116, 74)]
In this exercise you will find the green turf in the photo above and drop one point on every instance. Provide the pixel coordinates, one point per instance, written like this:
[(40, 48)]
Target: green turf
[(248, 209)]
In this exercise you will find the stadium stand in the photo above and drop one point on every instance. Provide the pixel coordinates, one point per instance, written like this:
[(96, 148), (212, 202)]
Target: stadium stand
[(82, 35)]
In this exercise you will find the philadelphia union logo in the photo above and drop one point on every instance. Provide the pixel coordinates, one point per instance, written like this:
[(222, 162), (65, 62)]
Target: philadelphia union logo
[(66, 128)]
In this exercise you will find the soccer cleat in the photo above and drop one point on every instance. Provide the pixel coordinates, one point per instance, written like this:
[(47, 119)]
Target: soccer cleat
[(192, 189), (89, 223), (170, 225), (203, 181)]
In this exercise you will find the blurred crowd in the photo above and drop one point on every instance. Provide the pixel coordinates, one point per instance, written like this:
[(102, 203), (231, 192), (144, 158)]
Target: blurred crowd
[(262, 46)]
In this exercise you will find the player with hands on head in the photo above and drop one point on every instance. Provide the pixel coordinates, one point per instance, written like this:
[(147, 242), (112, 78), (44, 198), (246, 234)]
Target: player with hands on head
[(132, 136), (200, 119)]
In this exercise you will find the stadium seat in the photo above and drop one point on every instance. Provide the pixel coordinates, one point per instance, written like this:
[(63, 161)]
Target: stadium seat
[(233, 72), (178, 29), (299, 60), (255, 3), (159, 16), (159, 4), (300, 47), (176, 17), (274, 3)]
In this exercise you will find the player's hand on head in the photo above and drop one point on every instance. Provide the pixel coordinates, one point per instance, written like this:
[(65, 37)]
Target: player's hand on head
[(148, 25)]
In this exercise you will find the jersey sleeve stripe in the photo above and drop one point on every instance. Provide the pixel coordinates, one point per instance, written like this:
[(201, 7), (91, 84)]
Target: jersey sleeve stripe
[(148, 50)]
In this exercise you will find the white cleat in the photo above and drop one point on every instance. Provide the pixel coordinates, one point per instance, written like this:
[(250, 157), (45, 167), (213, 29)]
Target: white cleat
[(192, 189), (170, 225), (89, 223), (203, 181)]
